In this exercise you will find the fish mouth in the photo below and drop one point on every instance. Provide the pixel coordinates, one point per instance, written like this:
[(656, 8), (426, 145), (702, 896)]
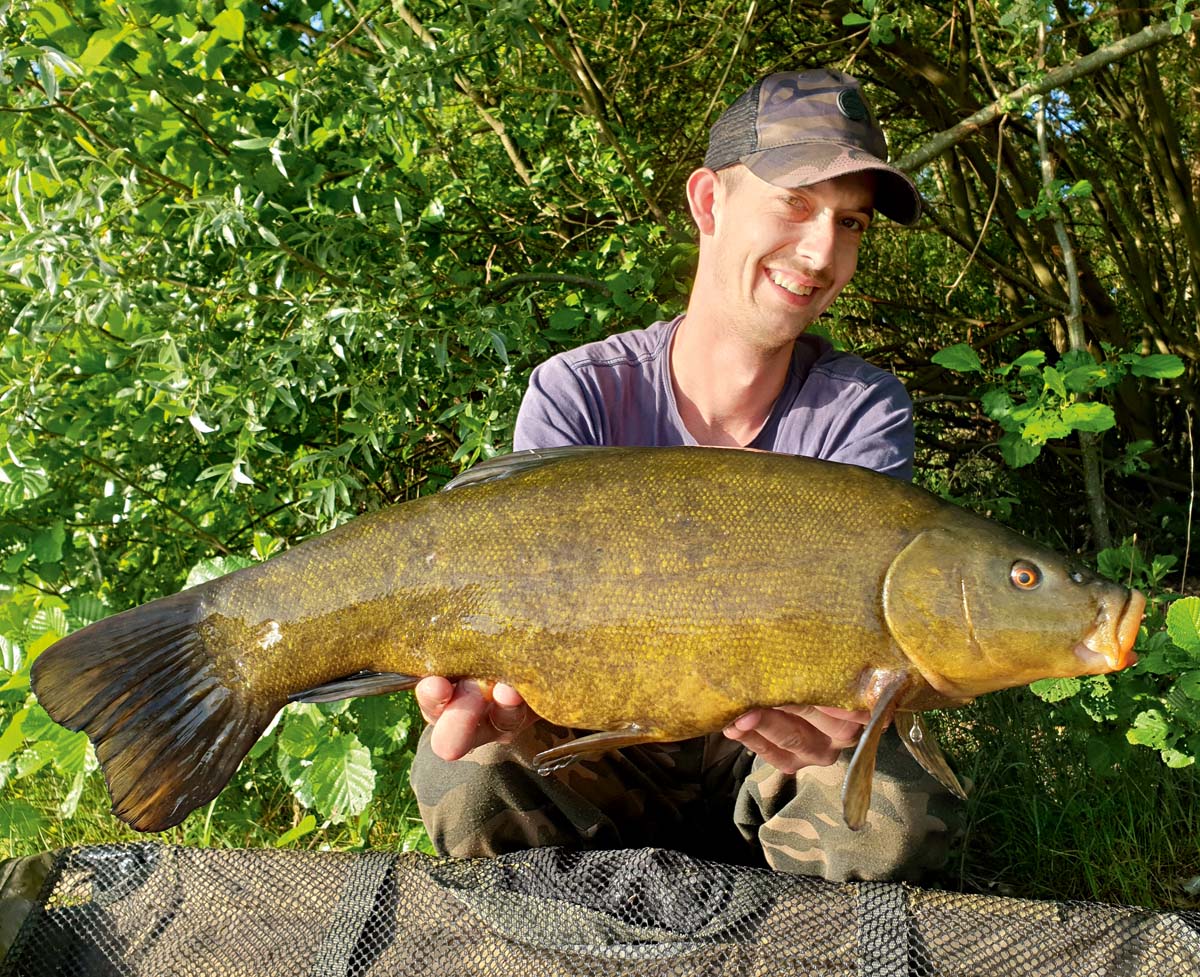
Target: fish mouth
[(1109, 645)]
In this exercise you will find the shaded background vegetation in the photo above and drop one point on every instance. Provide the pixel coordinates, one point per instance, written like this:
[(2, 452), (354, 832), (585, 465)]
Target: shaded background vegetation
[(264, 267)]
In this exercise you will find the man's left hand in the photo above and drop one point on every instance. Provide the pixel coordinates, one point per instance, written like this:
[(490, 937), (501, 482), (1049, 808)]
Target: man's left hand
[(790, 738)]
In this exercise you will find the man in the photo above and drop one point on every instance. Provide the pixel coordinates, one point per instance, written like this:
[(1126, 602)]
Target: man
[(794, 173)]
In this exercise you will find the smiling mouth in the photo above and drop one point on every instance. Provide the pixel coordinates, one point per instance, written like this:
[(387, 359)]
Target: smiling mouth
[(795, 288)]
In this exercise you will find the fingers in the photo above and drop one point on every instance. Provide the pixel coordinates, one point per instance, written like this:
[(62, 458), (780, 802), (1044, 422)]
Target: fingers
[(467, 714), (792, 737), (509, 714), (457, 729), (842, 726), (433, 694), (788, 752)]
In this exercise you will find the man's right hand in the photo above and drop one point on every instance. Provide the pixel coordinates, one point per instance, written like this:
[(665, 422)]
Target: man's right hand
[(467, 714)]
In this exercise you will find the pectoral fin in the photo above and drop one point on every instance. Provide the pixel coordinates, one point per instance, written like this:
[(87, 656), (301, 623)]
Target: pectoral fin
[(594, 744), (924, 747), (889, 689)]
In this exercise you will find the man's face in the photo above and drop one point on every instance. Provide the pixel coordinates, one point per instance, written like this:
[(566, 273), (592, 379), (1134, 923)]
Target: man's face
[(781, 256)]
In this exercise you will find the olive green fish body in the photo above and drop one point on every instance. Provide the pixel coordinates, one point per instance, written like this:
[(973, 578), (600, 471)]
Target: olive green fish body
[(674, 602), (653, 593)]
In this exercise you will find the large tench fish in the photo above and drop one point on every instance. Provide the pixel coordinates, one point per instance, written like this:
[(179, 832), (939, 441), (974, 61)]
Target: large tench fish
[(646, 593)]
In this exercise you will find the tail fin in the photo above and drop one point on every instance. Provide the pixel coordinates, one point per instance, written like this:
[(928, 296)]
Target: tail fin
[(168, 730)]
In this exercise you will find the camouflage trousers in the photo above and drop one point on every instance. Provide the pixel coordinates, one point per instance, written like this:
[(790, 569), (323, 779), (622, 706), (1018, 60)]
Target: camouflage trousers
[(708, 797)]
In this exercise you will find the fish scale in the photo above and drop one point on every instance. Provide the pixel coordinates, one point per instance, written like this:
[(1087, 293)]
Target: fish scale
[(641, 593)]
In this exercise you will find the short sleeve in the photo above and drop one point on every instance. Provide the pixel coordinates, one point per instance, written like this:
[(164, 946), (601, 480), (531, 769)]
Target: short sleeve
[(875, 429), (555, 410)]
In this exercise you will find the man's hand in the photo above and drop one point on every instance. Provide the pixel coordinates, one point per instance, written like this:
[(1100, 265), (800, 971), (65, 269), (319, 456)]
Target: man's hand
[(468, 714), (792, 737)]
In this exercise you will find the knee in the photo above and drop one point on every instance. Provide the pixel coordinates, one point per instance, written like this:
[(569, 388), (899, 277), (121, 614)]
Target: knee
[(797, 820), (489, 803)]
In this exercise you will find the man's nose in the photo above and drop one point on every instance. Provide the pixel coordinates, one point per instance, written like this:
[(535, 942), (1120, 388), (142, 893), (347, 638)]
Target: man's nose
[(816, 244)]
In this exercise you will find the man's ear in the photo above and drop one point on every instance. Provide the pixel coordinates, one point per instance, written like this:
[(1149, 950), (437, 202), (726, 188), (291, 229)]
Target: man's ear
[(703, 188)]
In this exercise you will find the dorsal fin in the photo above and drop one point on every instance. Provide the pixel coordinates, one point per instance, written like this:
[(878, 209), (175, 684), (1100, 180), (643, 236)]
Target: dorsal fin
[(502, 466)]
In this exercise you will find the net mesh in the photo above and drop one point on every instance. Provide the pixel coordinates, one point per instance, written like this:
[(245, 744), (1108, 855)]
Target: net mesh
[(152, 909)]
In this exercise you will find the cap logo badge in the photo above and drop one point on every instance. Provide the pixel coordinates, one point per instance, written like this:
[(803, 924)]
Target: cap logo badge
[(852, 106)]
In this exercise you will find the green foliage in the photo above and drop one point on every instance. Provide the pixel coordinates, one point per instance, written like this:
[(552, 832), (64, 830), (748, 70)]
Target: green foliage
[(1183, 624), (254, 301), (327, 767), (250, 294), (1061, 810), (960, 358), (1019, 16), (1034, 403), (1156, 703), (882, 25), (1181, 18), (1050, 201), (29, 740)]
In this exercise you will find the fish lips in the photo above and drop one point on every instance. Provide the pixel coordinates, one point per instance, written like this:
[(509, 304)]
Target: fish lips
[(1108, 647)]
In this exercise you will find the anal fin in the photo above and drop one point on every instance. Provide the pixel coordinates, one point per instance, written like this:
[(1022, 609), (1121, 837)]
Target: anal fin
[(360, 683), (924, 747), (563, 755)]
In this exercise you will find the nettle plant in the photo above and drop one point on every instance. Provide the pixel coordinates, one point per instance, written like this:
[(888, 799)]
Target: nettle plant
[(1155, 703)]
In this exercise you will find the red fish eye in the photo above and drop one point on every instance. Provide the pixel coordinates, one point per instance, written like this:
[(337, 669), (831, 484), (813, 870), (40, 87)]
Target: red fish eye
[(1025, 575)]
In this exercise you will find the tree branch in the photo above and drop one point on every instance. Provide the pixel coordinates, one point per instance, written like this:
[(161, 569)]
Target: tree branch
[(525, 278), (467, 89), (1118, 50), (577, 68), (1089, 441)]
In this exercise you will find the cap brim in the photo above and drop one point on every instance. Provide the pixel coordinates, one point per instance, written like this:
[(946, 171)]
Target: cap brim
[(803, 164)]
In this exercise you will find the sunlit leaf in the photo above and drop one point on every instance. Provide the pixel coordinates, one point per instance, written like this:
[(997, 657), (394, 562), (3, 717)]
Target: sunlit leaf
[(1183, 624), (230, 24), (1088, 416), (307, 825), (342, 777), (961, 358), (1056, 689), (19, 819), (1161, 366), (214, 567), (1150, 728)]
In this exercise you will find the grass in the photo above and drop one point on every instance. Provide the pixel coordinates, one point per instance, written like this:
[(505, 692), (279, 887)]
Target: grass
[(1042, 823)]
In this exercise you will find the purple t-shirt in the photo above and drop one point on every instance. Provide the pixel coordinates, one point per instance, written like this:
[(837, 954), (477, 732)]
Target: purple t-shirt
[(618, 392)]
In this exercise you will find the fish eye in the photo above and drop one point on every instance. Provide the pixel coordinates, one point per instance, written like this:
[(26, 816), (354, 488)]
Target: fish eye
[(1024, 575)]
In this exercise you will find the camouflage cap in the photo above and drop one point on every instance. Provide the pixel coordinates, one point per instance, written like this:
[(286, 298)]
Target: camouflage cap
[(794, 128)]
